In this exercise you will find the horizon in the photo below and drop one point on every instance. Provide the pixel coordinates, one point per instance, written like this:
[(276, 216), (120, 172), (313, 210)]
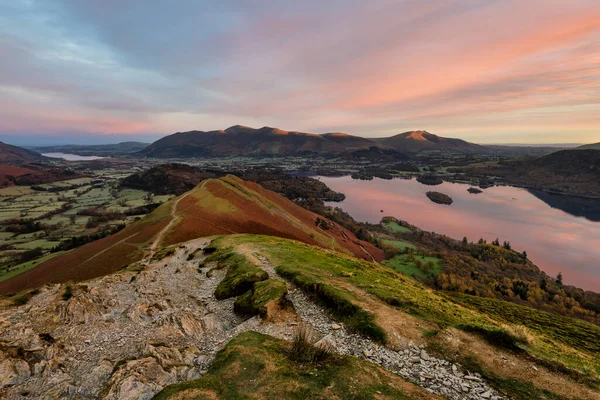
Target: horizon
[(90, 72)]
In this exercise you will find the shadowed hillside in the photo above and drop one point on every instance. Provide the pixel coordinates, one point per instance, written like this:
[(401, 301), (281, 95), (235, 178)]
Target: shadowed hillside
[(593, 146), (10, 154), (216, 206)]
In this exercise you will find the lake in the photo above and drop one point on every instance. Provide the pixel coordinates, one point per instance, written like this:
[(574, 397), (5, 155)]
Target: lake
[(555, 240), (72, 157)]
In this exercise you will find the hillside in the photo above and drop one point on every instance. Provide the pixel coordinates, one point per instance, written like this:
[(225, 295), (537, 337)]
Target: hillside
[(102, 150), (8, 173), (244, 141), (593, 146), (575, 172), (14, 155), (260, 317), (33, 174), (217, 206), (417, 141)]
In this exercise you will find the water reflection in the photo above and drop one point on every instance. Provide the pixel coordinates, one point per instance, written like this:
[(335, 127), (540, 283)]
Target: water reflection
[(555, 240)]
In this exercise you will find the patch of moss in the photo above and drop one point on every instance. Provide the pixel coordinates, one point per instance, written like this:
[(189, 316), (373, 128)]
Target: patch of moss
[(241, 276), (166, 252), (255, 301), (68, 293)]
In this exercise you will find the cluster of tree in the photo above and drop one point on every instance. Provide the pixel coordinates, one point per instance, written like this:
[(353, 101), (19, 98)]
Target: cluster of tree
[(99, 216), (28, 255), (495, 270), (295, 188)]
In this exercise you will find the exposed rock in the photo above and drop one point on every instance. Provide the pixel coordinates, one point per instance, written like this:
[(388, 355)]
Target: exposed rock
[(13, 371)]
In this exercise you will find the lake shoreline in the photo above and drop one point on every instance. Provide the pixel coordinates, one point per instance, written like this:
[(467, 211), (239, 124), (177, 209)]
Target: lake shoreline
[(557, 238)]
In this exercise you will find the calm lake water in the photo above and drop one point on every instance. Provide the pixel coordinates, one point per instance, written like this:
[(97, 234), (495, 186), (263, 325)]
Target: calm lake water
[(555, 240), (72, 157)]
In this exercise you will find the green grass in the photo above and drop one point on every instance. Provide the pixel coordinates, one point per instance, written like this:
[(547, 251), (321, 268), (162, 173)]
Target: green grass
[(563, 341), (582, 336), (398, 244), (256, 300), (42, 243), (408, 265), (257, 366), (394, 227), (241, 275)]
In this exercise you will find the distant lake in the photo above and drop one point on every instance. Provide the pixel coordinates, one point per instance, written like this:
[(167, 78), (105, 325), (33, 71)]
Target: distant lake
[(555, 240), (72, 157)]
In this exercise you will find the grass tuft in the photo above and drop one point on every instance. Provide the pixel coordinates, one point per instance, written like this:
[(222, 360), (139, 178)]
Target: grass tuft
[(305, 350)]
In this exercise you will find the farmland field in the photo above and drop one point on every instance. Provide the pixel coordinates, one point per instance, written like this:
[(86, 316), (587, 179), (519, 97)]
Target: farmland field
[(36, 220)]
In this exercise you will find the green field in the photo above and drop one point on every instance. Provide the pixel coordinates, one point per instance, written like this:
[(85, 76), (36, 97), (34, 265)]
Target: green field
[(395, 227), (409, 265), (398, 244), (22, 203)]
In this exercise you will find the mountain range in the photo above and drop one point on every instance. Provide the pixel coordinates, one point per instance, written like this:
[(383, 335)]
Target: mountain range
[(244, 141)]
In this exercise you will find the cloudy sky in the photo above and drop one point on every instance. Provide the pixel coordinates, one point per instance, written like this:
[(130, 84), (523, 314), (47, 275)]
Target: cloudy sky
[(489, 71)]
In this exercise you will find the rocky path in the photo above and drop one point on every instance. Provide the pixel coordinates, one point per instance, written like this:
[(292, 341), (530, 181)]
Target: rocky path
[(127, 335)]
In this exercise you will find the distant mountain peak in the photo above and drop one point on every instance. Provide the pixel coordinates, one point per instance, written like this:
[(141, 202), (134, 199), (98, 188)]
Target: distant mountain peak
[(237, 129), (419, 135)]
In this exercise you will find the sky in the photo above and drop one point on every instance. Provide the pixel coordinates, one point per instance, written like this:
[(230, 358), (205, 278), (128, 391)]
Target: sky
[(488, 71)]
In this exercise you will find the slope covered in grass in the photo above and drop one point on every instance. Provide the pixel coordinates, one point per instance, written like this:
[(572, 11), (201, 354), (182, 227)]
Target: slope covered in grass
[(232, 205), (256, 366), (372, 298)]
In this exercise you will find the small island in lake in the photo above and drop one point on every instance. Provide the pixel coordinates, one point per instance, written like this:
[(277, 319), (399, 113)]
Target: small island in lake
[(474, 190), (439, 198)]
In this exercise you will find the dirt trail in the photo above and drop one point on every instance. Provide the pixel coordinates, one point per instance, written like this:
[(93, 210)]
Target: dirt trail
[(174, 218)]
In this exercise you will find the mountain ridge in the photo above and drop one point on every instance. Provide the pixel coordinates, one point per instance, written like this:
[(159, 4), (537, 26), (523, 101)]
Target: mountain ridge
[(239, 140)]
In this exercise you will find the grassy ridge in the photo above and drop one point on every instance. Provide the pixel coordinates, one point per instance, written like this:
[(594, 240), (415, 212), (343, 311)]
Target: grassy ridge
[(568, 342)]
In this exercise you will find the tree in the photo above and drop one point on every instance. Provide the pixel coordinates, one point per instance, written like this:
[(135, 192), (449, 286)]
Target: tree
[(559, 279), (524, 254), (465, 241)]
